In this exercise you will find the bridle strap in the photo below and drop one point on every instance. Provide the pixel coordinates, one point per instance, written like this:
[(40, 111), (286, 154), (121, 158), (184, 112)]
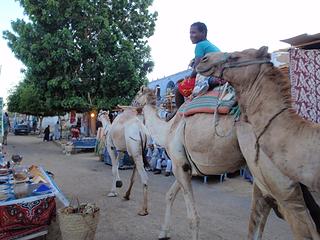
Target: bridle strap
[(242, 64), (221, 61), (257, 145), (246, 63)]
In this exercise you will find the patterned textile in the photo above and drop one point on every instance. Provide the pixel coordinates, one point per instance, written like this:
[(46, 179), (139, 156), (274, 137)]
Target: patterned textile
[(186, 86), (25, 218), (305, 82), (209, 102)]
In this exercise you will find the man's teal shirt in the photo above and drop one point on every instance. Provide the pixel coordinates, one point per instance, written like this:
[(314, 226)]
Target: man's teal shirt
[(204, 47)]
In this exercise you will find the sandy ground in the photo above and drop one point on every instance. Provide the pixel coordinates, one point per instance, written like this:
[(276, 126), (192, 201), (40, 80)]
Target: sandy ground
[(223, 208)]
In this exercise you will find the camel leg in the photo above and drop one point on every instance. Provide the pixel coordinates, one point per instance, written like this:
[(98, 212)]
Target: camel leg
[(298, 216), (292, 205), (144, 179), (260, 210), (135, 150), (170, 197), (184, 179), (128, 192), (287, 193), (116, 181)]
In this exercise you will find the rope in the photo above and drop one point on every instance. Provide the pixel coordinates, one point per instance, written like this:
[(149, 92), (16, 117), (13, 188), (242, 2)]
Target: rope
[(257, 145)]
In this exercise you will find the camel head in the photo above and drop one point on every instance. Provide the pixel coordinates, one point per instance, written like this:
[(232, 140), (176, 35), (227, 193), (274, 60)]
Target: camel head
[(144, 96), (238, 68), (103, 115)]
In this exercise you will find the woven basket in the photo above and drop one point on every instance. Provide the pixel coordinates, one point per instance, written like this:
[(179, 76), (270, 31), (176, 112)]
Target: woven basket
[(78, 226)]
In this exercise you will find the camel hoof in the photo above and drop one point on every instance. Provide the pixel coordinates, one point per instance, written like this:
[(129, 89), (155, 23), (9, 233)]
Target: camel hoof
[(112, 194), (118, 184), (125, 197), (143, 213), (164, 235)]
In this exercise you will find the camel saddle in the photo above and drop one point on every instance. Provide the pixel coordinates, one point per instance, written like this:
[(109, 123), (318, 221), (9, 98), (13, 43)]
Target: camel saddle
[(210, 102)]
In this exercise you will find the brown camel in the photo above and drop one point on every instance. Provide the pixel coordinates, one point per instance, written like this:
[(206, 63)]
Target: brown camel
[(194, 148), (280, 148), (127, 133)]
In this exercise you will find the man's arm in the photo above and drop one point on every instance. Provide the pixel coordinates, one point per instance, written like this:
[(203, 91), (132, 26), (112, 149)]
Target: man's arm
[(196, 62)]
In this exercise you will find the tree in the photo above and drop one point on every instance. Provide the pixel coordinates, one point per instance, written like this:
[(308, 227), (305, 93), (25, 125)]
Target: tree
[(26, 98), (84, 54)]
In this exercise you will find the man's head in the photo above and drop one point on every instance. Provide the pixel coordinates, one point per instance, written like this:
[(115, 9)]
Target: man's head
[(198, 32)]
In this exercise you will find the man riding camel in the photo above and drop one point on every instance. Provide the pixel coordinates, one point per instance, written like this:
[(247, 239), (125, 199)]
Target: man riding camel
[(198, 36)]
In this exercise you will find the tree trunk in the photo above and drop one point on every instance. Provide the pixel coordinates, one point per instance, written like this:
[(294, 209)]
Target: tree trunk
[(40, 127)]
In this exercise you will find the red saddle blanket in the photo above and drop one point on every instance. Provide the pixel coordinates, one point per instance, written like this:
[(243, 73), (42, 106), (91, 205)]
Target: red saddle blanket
[(186, 86), (209, 103)]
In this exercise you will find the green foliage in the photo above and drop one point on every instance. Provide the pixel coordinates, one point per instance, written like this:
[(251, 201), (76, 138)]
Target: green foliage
[(84, 54), (27, 98)]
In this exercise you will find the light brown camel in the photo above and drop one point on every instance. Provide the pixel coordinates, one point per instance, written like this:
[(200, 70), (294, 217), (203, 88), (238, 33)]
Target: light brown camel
[(103, 117), (280, 148), (127, 133), (194, 148)]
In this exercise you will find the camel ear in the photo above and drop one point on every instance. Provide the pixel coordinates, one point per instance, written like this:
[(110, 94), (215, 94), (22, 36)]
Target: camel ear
[(143, 88), (138, 110), (234, 56), (263, 52)]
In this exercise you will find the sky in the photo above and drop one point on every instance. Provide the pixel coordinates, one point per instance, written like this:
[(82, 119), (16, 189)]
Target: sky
[(233, 25)]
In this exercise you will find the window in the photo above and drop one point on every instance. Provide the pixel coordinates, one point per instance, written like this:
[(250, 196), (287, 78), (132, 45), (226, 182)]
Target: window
[(158, 92), (170, 87)]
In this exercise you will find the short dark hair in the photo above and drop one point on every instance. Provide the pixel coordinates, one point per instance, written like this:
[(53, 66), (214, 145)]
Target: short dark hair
[(201, 27)]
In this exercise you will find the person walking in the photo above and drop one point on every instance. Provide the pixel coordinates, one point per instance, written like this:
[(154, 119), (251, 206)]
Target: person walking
[(6, 128), (46, 137), (57, 131)]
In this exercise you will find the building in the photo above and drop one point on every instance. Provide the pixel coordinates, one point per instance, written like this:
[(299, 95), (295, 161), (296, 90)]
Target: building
[(167, 84)]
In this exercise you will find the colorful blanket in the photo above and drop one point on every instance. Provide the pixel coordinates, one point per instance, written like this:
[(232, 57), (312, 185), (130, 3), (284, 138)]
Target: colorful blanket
[(305, 82), (210, 102), (25, 218)]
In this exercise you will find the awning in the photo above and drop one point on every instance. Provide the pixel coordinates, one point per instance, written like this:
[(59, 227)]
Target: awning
[(304, 41)]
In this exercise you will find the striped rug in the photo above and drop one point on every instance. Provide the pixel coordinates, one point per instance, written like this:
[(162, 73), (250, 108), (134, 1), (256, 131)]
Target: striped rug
[(209, 102)]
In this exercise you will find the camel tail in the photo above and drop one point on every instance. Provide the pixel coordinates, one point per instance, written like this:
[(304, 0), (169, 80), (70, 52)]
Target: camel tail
[(312, 206), (143, 142)]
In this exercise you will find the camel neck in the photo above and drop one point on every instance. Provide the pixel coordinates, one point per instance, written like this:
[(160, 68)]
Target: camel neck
[(265, 100), (267, 108), (158, 128), (288, 140), (106, 125)]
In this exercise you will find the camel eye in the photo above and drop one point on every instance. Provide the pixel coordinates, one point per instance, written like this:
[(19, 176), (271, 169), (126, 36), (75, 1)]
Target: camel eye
[(204, 59)]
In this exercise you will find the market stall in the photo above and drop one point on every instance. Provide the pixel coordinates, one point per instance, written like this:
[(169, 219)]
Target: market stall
[(84, 143), (27, 201)]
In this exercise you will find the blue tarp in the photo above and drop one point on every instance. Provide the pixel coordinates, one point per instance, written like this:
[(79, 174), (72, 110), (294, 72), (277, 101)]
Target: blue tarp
[(84, 143)]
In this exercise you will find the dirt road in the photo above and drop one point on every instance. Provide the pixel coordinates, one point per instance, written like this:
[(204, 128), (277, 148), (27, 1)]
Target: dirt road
[(223, 208)]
